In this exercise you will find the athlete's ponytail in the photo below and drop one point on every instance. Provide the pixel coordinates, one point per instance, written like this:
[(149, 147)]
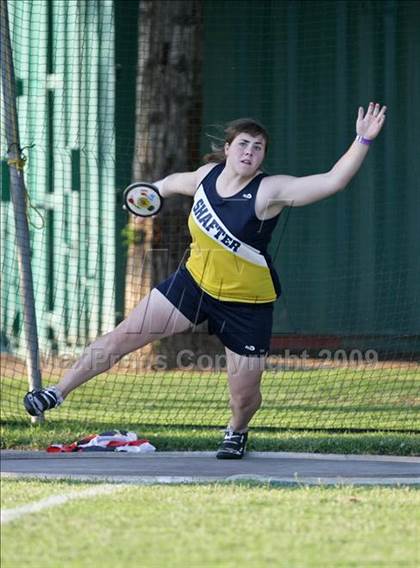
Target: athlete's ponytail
[(232, 129)]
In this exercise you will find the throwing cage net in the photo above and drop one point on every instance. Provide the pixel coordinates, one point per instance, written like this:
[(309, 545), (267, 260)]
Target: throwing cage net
[(113, 92)]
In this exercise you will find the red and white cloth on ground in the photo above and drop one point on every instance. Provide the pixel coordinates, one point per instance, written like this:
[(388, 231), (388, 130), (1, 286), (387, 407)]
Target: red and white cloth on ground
[(112, 441)]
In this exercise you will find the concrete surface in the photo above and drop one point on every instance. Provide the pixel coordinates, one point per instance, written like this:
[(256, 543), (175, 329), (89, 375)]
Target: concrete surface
[(199, 467)]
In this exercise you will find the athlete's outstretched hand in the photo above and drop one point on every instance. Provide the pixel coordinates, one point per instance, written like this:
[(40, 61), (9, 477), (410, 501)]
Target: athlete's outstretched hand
[(370, 124)]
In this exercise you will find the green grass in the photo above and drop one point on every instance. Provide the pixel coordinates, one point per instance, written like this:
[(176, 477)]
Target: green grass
[(302, 411), (366, 399), (17, 492), (23, 435), (220, 525)]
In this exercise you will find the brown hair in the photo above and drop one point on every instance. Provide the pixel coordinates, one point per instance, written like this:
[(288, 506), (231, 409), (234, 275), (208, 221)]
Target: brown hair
[(232, 129)]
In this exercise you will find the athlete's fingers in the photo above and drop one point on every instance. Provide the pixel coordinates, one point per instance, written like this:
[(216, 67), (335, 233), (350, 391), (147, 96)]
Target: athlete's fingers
[(382, 112)]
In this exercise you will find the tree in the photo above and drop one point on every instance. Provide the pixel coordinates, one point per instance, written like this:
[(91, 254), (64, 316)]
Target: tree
[(168, 116)]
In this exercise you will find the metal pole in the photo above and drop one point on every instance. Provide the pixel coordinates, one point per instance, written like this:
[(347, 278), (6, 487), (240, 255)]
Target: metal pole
[(18, 194)]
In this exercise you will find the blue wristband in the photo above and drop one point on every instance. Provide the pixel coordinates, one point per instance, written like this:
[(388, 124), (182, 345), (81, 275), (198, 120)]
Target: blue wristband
[(364, 141)]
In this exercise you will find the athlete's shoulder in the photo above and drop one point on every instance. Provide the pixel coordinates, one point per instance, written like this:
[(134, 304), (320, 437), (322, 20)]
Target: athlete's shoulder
[(271, 186), (269, 203), (203, 171), (184, 183)]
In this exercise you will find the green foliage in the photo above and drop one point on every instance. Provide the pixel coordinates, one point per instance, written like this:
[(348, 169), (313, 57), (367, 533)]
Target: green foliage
[(132, 235)]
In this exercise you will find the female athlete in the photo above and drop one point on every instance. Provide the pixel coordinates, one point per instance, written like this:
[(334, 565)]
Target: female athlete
[(228, 279)]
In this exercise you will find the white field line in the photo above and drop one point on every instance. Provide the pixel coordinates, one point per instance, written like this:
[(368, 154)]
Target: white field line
[(168, 480), (8, 515)]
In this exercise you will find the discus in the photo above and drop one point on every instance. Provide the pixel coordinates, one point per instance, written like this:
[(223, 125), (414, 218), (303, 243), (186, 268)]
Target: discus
[(142, 199)]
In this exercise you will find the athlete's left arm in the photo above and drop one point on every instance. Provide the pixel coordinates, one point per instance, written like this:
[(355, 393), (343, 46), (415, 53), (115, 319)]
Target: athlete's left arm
[(298, 191)]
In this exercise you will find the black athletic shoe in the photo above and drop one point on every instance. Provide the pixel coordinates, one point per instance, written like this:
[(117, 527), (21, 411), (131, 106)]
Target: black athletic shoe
[(233, 446), (37, 402)]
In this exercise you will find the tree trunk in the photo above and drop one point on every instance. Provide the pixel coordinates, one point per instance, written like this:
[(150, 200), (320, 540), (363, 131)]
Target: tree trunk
[(168, 115)]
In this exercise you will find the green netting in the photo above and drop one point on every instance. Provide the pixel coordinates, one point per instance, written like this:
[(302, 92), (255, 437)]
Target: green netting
[(114, 91)]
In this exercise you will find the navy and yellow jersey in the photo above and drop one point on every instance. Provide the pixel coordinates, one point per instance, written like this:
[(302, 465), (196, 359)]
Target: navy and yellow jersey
[(228, 254)]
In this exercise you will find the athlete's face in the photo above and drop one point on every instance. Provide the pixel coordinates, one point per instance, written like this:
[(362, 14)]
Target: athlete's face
[(245, 153)]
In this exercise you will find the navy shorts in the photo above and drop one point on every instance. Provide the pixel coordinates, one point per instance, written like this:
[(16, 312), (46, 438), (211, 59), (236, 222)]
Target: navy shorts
[(241, 327)]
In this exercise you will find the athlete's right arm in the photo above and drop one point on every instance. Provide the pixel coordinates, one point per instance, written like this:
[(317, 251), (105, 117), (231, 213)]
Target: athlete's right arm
[(185, 183)]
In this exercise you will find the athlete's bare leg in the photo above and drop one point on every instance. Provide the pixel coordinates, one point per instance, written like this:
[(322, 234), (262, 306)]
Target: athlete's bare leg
[(244, 376), (153, 318)]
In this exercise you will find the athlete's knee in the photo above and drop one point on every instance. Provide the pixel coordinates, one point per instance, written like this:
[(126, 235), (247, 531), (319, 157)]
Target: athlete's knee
[(105, 351), (109, 349)]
